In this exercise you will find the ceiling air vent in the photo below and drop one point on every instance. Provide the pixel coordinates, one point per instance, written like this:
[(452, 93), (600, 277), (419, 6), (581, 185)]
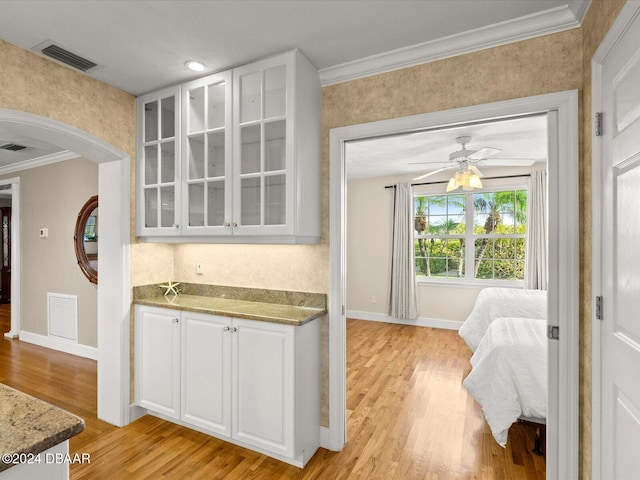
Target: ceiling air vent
[(68, 58), (13, 147)]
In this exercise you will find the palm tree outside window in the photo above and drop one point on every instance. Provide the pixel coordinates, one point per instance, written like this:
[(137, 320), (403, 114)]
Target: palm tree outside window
[(497, 235)]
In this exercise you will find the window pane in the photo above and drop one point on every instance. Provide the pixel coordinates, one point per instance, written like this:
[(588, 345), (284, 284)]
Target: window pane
[(484, 269), (504, 248), (504, 270), (440, 222), (519, 270)]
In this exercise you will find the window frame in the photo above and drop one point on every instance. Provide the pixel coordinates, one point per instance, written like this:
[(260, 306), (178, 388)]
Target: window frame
[(470, 237)]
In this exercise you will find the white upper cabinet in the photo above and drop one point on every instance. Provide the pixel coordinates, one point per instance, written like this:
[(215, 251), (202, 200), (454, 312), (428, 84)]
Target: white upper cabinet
[(158, 162), (247, 163), (206, 155)]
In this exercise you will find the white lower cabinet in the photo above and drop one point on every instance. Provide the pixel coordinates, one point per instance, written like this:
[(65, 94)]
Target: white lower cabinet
[(256, 384)]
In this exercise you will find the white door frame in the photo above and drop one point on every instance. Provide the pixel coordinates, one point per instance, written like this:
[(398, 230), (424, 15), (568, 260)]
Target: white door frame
[(113, 259), (626, 16), (563, 411), (16, 291)]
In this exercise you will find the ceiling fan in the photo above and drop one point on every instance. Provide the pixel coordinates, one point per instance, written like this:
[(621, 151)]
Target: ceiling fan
[(466, 161)]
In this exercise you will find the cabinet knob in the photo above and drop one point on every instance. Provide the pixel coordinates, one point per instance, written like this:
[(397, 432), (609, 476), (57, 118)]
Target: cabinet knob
[(226, 224), (226, 329), (175, 320), (234, 329)]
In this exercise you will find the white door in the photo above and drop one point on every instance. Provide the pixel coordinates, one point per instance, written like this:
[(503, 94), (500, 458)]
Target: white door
[(206, 372), (158, 360), (620, 395)]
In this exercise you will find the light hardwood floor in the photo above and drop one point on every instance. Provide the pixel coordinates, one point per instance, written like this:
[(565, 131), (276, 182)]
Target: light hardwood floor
[(408, 418)]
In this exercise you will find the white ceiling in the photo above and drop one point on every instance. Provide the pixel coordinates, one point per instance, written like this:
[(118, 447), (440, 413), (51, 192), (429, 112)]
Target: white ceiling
[(142, 45), (521, 138)]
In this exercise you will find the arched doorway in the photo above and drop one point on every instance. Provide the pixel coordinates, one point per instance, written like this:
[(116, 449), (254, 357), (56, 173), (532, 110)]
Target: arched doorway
[(114, 287)]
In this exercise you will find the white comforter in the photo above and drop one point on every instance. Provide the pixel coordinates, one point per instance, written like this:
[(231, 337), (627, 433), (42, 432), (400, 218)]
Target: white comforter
[(509, 374), (495, 303)]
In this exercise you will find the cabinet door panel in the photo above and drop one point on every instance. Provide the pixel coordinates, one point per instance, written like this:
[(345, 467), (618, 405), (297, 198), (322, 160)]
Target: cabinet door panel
[(206, 381), (158, 356), (207, 197), (262, 372), (158, 162)]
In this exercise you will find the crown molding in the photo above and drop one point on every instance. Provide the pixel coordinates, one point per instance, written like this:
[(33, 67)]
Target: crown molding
[(530, 26), (38, 162)]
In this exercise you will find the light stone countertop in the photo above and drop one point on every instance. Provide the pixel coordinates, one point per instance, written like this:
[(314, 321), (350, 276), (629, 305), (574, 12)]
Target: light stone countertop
[(266, 312), (31, 426)]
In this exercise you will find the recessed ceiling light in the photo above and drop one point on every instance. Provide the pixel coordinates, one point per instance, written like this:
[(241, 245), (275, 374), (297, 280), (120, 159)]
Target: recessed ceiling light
[(196, 66)]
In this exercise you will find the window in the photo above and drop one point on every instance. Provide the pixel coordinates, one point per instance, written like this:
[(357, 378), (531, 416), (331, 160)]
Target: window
[(493, 223)]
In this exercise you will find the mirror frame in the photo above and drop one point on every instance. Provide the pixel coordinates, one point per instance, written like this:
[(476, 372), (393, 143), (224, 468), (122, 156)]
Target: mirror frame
[(78, 239)]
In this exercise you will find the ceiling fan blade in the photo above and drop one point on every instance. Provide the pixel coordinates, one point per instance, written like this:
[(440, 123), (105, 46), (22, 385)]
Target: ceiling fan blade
[(432, 173), (435, 164), (508, 162), (475, 170), (484, 153)]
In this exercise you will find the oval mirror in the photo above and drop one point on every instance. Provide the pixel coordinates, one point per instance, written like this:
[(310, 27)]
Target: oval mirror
[(85, 239)]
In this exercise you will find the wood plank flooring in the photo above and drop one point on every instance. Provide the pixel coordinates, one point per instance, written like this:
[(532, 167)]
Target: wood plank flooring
[(408, 418)]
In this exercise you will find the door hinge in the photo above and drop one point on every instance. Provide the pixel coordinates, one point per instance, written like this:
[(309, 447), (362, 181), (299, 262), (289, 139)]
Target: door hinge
[(598, 129), (553, 332), (344, 311), (599, 307)]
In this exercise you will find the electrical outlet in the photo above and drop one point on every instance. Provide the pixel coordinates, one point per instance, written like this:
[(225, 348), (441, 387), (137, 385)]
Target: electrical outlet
[(200, 269)]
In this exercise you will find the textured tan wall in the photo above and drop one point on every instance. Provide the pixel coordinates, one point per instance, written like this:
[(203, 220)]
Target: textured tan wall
[(595, 26), (51, 196)]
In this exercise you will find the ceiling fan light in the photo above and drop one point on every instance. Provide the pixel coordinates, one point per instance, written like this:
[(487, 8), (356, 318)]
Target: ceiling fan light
[(452, 185), (474, 181)]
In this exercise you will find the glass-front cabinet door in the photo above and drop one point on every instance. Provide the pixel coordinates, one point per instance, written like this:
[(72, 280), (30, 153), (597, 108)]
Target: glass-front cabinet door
[(263, 152), (206, 195), (158, 163)]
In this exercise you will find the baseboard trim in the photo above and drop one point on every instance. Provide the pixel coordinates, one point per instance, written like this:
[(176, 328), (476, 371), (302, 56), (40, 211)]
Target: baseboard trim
[(60, 345), (418, 322)]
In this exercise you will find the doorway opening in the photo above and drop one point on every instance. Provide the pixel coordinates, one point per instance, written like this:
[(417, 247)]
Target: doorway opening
[(114, 290), (562, 110)]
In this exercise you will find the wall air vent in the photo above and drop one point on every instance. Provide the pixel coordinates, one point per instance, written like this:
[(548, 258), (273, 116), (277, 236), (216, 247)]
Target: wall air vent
[(68, 58), (13, 147)]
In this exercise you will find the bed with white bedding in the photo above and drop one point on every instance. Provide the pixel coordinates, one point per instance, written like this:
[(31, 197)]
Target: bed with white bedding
[(493, 303), (509, 373)]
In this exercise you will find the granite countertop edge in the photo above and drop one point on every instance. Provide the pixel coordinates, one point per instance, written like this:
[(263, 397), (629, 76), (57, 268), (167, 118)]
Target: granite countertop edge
[(244, 309), (34, 425)]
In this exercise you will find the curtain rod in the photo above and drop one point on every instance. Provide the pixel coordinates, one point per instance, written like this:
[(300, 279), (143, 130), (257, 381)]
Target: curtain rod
[(447, 181)]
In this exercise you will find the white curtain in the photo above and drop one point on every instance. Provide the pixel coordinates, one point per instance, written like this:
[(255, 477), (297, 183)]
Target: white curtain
[(535, 268), (403, 302)]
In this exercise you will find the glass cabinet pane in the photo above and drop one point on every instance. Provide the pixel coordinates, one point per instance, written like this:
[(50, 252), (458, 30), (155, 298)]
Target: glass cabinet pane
[(196, 205), (250, 149), (274, 145), (167, 117), (250, 101), (215, 154), (151, 207), (151, 165), (250, 204), (150, 121), (196, 157), (215, 203), (216, 105), (167, 162), (196, 110), (167, 207), (275, 200), (275, 83)]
